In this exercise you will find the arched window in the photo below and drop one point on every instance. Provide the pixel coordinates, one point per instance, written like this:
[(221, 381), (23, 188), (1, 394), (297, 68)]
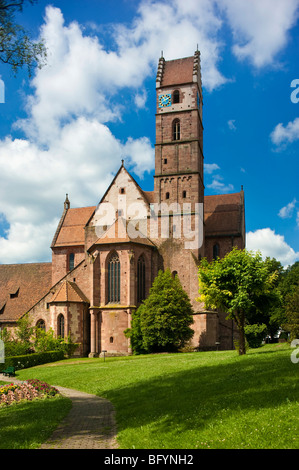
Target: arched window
[(60, 325), (176, 96), (176, 130), (114, 279), (140, 279), (215, 251), (41, 325), (174, 273)]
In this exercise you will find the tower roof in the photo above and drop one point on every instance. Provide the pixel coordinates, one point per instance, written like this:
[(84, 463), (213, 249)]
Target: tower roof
[(178, 71)]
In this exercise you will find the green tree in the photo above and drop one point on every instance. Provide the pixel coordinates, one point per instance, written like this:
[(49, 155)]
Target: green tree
[(292, 313), (235, 284), (17, 49), (162, 322)]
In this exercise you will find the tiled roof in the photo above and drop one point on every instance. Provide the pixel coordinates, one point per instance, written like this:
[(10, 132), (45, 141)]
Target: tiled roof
[(69, 292), (178, 71), (21, 286), (72, 230), (223, 214)]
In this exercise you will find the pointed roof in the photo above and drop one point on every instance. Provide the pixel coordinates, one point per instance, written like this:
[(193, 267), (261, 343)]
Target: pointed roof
[(69, 292)]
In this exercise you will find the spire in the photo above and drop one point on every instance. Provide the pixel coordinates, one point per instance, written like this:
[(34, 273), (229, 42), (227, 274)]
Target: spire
[(67, 203)]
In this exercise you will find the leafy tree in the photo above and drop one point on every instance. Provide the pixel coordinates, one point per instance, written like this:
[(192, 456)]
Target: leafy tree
[(162, 322), (292, 313), (16, 47), (235, 284)]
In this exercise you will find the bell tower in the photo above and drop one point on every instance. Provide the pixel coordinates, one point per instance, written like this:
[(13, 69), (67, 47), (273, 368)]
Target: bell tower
[(179, 132)]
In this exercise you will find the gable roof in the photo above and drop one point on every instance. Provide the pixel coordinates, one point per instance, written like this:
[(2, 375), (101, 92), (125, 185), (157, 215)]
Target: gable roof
[(224, 214), (21, 286), (69, 292)]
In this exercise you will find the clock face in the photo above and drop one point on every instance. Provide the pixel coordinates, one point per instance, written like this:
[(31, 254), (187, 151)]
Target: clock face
[(164, 100)]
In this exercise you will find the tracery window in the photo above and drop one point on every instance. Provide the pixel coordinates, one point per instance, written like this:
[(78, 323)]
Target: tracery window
[(114, 279), (60, 325), (140, 279), (41, 325)]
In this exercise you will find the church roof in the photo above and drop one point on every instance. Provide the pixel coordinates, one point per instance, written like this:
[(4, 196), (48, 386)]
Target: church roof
[(69, 292), (223, 214), (71, 232), (22, 285), (177, 71)]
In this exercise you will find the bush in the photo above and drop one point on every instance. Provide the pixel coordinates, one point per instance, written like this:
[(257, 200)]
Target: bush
[(255, 334), (31, 360)]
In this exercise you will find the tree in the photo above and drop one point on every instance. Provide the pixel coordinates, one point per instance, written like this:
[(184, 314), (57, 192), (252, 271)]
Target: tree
[(292, 313), (17, 49), (162, 322), (235, 284)]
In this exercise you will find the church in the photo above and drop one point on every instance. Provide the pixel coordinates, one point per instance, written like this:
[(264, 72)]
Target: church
[(106, 257)]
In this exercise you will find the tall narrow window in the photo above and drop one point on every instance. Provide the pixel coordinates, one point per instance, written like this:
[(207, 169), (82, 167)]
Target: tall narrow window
[(176, 130), (60, 325), (140, 279), (114, 279), (41, 325), (71, 261), (176, 96), (215, 251)]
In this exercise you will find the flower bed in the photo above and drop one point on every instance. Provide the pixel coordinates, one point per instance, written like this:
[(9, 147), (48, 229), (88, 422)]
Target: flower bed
[(29, 390)]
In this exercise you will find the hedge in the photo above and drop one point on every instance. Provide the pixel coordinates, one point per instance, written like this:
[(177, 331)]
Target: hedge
[(31, 360)]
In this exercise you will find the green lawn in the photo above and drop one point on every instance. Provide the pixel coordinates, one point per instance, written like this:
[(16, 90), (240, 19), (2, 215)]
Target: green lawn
[(193, 400)]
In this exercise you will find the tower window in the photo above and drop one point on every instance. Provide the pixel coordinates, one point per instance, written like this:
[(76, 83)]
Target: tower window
[(114, 279), (111, 339), (184, 194), (122, 191), (176, 130), (215, 251), (165, 160), (167, 195), (140, 279), (176, 96)]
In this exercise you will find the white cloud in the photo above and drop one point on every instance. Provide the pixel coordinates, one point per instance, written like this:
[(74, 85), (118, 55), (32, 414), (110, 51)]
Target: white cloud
[(271, 244), (210, 167), (286, 212), (260, 28), (283, 135)]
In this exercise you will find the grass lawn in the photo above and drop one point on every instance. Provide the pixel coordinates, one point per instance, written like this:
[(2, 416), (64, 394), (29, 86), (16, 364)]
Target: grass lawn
[(26, 425), (192, 400)]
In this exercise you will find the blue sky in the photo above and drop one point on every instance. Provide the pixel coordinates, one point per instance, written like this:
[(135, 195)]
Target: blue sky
[(66, 129)]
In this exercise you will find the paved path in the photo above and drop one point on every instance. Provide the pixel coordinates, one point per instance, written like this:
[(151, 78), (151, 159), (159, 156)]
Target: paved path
[(89, 425)]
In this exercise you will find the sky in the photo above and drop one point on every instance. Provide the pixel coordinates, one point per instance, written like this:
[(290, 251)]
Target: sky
[(66, 128)]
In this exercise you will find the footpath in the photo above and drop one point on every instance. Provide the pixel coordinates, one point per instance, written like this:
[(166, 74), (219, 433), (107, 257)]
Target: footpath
[(90, 423)]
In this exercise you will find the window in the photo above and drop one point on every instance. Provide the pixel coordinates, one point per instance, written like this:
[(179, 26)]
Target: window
[(140, 279), (176, 130), (60, 326), (41, 325), (14, 295), (122, 191), (174, 273), (165, 160), (114, 279), (176, 96), (167, 195), (71, 261), (215, 251), (184, 194)]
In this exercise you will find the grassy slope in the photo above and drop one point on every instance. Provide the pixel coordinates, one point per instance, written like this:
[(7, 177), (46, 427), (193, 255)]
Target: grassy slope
[(196, 400)]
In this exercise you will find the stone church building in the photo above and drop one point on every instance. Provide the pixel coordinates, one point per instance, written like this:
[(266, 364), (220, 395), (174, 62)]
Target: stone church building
[(105, 257)]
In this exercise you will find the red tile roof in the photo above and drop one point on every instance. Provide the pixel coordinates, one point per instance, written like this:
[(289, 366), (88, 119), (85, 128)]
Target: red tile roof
[(22, 286), (178, 71), (69, 292), (223, 214), (71, 232)]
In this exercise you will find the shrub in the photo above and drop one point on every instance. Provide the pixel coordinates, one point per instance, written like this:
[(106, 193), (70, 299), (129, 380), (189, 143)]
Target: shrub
[(255, 334), (31, 360)]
